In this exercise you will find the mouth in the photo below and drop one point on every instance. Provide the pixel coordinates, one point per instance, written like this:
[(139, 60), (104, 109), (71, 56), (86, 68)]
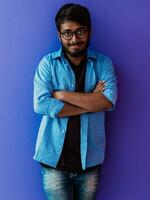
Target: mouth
[(75, 46)]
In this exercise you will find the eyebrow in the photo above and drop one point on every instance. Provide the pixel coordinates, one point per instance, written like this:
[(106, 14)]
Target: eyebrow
[(81, 27)]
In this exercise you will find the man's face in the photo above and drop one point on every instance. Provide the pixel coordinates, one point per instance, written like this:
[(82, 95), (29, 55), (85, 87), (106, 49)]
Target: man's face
[(74, 38)]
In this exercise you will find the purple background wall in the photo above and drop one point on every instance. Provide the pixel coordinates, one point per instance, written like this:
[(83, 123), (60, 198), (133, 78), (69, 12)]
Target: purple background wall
[(121, 29)]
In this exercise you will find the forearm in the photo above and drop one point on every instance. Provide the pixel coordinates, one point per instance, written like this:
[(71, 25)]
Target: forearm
[(92, 102), (71, 110)]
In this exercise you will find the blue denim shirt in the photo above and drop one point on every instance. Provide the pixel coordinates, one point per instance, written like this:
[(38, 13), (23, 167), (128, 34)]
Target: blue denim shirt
[(54, 73)]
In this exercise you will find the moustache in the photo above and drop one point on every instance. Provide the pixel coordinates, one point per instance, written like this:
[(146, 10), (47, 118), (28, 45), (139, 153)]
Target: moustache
[(77, 43)]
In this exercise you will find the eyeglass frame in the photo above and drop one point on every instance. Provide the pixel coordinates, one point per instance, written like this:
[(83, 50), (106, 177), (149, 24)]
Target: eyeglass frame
[(75, 33)]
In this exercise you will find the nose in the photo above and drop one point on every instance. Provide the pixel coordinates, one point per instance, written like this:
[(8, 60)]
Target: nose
[(74, 38)]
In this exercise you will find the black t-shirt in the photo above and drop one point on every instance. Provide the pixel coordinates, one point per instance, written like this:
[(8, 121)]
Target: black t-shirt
[(70, 159)]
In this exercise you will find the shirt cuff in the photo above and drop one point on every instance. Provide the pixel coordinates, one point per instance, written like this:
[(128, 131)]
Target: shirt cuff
[(57, 107)]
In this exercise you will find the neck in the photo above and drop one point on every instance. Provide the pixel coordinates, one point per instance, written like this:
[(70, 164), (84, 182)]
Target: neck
[(75, 60)]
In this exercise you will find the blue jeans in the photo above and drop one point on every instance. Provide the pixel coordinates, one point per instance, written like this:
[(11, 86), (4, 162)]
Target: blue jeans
[(63, 185)]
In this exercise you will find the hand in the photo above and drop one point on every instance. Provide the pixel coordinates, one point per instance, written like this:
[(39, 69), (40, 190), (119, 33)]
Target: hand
[(58, 95), (100, 87)]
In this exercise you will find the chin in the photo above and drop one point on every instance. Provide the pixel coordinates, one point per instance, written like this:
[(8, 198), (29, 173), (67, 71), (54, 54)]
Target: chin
[(76, 53)]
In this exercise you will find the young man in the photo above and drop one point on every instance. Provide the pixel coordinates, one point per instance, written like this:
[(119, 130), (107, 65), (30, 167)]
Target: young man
[(73, 88)]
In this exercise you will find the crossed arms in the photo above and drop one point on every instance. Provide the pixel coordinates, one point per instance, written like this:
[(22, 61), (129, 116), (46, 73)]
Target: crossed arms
[(65, 103), (78, 103)]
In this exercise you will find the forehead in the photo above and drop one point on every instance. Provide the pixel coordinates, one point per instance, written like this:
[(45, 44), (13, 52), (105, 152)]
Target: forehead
[(70, 25)]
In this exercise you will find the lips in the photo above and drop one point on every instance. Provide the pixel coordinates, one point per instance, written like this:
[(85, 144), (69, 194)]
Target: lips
[(75, 46)]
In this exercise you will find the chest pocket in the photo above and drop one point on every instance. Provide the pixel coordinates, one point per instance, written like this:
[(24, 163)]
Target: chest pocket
[(62, 79)]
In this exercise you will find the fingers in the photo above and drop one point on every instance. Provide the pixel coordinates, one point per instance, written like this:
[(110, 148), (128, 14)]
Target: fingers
[(100, 87), (100, 83)]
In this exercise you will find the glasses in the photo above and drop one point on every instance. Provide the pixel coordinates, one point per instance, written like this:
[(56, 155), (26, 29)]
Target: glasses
[(80, 33)]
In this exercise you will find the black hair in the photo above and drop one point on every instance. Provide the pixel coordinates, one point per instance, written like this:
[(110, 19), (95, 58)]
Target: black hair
[(73, 12)]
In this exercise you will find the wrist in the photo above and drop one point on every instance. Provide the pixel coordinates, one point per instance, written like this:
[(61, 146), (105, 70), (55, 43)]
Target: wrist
[(61, 95)]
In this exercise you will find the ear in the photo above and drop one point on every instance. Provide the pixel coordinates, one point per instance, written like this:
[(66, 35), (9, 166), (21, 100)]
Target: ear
[(59, 35)]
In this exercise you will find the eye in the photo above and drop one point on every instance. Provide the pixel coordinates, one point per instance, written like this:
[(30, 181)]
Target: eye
[(67, 34), (81, 32)]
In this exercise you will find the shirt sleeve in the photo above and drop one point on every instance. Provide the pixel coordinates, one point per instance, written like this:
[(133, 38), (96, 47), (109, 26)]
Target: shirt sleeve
[(109, 76), (43, 101)]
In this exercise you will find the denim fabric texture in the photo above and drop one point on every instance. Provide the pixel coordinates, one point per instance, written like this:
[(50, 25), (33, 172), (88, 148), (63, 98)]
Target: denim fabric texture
[(62, 185)]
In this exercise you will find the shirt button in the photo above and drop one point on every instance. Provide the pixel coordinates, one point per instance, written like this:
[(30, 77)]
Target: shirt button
[(59, 147), (62, 131), (72, 85)]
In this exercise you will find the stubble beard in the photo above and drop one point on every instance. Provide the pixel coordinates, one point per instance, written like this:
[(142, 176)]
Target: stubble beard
[(77, 53)]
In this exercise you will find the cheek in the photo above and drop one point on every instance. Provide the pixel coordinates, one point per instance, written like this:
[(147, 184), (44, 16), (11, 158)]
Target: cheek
[(64, 43), (85, 42)]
